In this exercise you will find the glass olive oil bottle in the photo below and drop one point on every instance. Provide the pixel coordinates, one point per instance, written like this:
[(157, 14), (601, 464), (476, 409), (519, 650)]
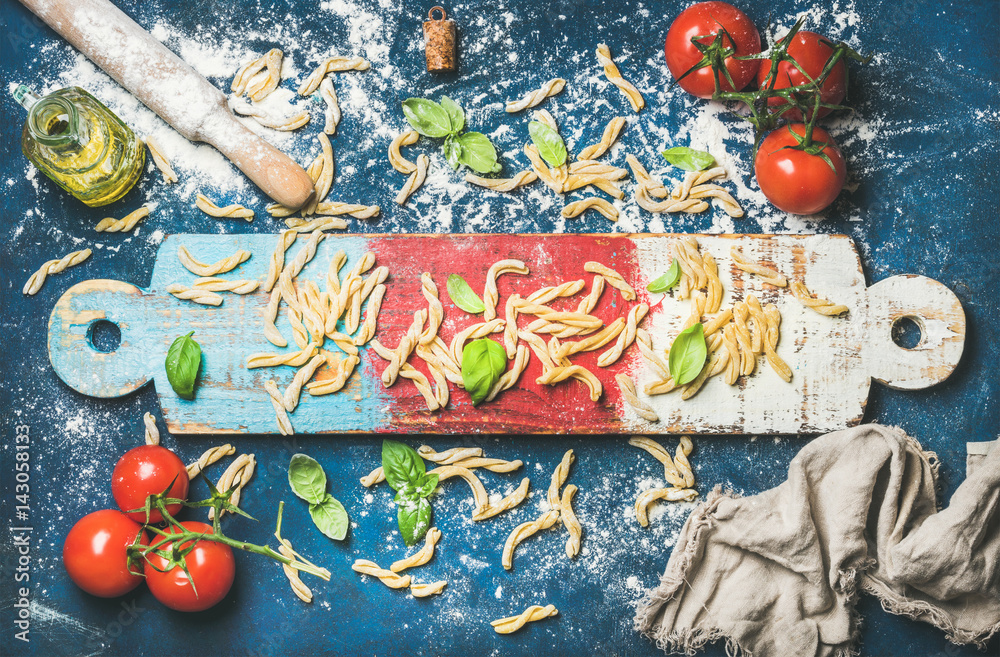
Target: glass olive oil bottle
[(80, 144)]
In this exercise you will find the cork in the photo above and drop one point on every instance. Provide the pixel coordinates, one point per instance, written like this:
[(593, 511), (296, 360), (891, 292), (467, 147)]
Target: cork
[(439, 42)]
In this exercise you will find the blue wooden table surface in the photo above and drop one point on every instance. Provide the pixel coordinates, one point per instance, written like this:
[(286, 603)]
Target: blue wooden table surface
[(922, 151)]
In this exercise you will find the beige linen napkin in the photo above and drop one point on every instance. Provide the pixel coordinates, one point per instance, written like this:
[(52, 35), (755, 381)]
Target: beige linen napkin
[(778, 573)]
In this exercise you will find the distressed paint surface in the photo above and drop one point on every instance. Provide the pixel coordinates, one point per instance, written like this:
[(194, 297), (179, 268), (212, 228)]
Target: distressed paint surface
[(832, 358)]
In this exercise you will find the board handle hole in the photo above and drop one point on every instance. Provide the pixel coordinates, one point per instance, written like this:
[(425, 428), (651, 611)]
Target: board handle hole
[(906, 332), (104, 336)]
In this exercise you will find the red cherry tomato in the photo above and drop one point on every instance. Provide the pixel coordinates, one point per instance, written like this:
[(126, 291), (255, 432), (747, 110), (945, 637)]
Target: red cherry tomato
[(144, 471), (95, 556), (793, 180), (708, 19), (811, 51), (212, 568)]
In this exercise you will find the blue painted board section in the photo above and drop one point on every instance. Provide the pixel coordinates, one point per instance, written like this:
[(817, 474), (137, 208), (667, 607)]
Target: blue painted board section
[(924, 203)]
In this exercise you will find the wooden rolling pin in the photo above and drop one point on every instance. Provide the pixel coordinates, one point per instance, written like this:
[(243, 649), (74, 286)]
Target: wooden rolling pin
[(172, 89)]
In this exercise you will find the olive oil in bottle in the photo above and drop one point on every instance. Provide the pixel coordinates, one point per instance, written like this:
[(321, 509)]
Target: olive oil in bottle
[(80, 144)]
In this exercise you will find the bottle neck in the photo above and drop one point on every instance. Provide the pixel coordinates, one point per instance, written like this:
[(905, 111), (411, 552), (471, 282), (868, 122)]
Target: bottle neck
[(55, 122)]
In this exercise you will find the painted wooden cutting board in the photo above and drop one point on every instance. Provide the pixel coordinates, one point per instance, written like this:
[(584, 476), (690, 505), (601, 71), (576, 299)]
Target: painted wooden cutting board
[(833, 359)]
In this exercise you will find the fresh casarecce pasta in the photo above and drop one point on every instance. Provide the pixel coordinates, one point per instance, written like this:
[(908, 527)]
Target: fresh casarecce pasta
[(535, 98)]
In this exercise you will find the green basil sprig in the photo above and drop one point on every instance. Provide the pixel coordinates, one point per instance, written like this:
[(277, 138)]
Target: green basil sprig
[(549, 143), (463, 296), (405, 473), (447, 119), (308, 481), (668, 280), (687, 355), (688, 159), (182, 365), (483, 362)]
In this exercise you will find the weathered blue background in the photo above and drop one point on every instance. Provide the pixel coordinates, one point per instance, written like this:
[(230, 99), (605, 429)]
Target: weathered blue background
[(931, 211)]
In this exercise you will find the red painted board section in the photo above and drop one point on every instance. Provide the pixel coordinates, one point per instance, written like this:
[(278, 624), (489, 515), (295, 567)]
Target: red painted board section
[(528, 407)]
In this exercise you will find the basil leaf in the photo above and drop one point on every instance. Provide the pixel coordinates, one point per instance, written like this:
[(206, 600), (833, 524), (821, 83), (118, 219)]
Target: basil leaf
[(463, 296), (687, 355), (414, 517), (182, 365), (668, 280), (478, 153), (455, 114), (401, 465), (550, 145), (688, 158), (428, 485), (483, 361), (452, 152), (307, 479), (427, 117), (330, 517)]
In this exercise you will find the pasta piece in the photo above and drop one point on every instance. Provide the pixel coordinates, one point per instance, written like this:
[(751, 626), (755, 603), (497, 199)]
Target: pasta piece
[(613, 278), (353, 209), (435, 309), (626, 337), (733, 349), (293, 358), (520, 179), (303, 374), (387, 577), (279, 123), (473, 332), (160, 160), (725, 199), (216, 284), (221, 267), (544, 173), (695, 178), (320, 223), (529, 615), (376, 476), (595, 168), (245, 73), (511, 376), (670, 471), (554, 376), (602, 182), (576, 208), (261, 86), (343, 371), (236, 476), (645, 343), (671, 494), (35, 282), (284, 424), (396, 159), (691, 206), (507, 503), (367, 331), (449, 456), (414, 182), (424, 590), (589, 302), (404, 348), (711, 267), (615, 77), (684, 449), (421, 557), (608, 138), (773, 319), (200, 296), (123, 225), (759, 324), (331, 114), (423, 386), (490, 293), (510, 329), (535, 98), (627, 387), (559, 476), (570, 522), (152, 434), (822, 306), (277, 263), (691, 262), (524, 531), (748, 361), (299, 587), (301, 259), (717, 322), (718, 359), (769, 275), (331, 65), (651, 186), (209, 457), (481, 498), (233, 211)]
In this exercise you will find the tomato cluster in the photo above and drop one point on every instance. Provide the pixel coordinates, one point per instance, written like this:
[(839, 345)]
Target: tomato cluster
[(713, 50), (95, 552)]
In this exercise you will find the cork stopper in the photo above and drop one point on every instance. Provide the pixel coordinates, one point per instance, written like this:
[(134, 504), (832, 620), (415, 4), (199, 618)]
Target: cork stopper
[(439, 42)]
